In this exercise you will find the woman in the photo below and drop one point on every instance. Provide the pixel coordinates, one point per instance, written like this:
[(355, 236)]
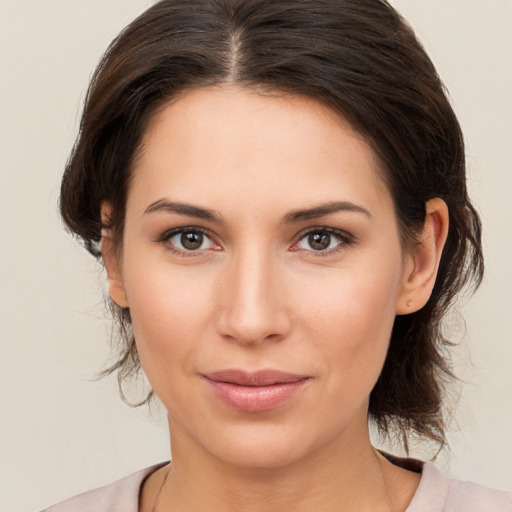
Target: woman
[(277, 191)]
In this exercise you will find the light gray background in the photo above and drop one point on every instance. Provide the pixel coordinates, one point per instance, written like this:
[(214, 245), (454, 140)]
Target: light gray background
[(61, 433)]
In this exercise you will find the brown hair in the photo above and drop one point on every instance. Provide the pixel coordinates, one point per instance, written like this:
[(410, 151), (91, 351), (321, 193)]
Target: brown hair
[(361, 59)]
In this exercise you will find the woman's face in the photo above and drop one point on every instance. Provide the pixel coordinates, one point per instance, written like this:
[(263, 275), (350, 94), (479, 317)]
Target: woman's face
[(262, 266)]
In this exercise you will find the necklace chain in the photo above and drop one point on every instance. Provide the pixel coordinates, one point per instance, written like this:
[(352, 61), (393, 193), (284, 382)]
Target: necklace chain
[(161, 489)]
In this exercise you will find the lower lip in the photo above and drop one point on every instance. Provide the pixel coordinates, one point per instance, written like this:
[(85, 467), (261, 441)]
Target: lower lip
[(256, 398)]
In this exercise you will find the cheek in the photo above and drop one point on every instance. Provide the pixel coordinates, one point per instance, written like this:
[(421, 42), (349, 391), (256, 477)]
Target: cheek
[(349, 323), (357, 299), (170, 312)]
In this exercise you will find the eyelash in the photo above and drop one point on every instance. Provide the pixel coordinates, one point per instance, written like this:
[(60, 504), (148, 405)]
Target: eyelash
[(166, 237), (345, 239)]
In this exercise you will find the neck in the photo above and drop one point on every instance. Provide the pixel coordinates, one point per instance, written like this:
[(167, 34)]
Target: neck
[(345, 474)]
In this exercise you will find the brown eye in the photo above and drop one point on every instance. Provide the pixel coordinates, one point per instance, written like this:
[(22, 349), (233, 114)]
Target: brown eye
[(319, 241), (188, 240), (324, 241), (191, 240)]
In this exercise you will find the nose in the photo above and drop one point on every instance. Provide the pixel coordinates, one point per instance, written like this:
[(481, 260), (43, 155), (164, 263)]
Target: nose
[(253, 300)]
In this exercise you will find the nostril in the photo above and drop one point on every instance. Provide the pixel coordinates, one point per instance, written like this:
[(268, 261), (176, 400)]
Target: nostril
[(252, 304), (270, 328)]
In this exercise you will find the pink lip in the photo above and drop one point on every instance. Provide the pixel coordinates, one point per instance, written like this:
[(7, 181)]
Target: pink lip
[(255, 391)]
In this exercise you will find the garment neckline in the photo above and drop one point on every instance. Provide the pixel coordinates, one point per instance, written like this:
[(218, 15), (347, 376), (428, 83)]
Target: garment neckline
[(430, 478)]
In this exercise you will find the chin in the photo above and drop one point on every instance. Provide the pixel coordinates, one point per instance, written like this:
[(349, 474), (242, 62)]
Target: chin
[(263, 446), (258, 455)]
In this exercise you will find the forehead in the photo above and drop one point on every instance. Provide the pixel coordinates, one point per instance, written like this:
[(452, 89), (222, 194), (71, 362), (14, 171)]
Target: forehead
[(219, 142)]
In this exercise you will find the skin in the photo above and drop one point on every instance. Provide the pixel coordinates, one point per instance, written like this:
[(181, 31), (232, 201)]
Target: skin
[(258, 295)]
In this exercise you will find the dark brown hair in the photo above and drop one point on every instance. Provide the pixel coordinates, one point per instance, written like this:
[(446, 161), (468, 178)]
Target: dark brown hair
[(361, 59)]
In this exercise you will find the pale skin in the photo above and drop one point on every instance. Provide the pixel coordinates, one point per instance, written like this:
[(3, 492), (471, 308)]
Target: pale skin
[(266, 175)]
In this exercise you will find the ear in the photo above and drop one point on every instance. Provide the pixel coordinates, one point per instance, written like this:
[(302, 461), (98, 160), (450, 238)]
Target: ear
[(421, 262), (111, 260)]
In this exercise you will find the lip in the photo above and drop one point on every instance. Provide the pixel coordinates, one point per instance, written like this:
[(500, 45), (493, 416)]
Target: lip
[(255, 391)]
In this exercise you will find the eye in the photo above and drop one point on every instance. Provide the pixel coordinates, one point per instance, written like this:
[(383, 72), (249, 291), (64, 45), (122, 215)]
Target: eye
[(326, 240), (188, 240)]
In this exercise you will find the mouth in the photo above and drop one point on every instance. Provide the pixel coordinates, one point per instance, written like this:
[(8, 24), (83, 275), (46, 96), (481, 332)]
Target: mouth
[(255, 391)]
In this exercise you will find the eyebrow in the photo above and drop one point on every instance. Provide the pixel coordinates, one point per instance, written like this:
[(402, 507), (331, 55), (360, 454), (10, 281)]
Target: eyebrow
[(198, 212), (324, 209), (184, 209)]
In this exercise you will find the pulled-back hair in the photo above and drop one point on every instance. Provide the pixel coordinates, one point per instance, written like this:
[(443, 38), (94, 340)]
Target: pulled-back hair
[(361, 59)]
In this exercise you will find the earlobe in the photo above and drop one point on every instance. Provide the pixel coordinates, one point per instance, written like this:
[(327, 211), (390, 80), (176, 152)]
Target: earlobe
[(111, 260), (422, 261)]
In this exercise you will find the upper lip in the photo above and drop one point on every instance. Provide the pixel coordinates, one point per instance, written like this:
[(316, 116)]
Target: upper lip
[(266, 377)]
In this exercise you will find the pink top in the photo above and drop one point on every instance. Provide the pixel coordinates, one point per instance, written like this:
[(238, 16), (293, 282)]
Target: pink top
[(436, 493)]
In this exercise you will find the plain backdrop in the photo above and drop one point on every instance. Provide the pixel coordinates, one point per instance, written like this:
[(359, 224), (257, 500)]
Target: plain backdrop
[(61, 432)]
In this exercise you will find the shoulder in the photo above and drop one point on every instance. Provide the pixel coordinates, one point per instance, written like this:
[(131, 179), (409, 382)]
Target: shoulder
[(440, 494), (119, 496), (469, 497)]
